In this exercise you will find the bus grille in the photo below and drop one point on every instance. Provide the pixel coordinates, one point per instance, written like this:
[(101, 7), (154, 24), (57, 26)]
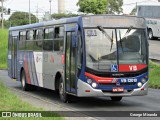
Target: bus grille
[(114, 84)]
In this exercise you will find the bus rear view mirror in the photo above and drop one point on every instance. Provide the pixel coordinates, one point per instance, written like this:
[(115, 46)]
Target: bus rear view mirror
[(75, 37)]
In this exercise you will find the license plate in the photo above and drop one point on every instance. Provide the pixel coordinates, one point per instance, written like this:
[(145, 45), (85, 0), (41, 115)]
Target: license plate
[(118, 89)]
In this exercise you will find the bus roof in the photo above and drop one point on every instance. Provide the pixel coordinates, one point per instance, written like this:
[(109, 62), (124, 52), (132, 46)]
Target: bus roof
[(96, 18), (46, 23)]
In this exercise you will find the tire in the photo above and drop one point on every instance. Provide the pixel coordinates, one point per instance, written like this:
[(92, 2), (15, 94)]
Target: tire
[(24, 85), (150, 34), (64, 97), (116, 98)]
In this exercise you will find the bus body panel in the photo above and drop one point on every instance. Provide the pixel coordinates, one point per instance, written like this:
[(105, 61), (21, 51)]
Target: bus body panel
[(85, 90), (41, 67)]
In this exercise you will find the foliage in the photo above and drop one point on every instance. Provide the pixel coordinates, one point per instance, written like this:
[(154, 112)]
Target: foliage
[(6, 23), (154, 75), (4, 9), (3, 48), (100, 6), (115, 6), (62, 15), (133, 12), (21, 18)]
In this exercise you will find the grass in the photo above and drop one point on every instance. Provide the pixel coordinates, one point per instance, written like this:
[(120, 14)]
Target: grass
[(154, 75), (10, 102), (3, 48)]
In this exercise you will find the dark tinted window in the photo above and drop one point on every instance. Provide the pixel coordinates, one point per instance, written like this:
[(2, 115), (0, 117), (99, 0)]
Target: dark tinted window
[(30, 35), (38, 45), (48, 45), (48, 33), (29, 45), (22, 35), (58, 45), (59, 32), (39, 34), (22, 38)]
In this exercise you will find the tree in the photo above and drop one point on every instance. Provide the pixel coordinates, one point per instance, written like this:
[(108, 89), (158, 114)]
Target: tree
[(62, 15), (21, 18), (4, 9), (133, 12), (100, 6), (115, 6)]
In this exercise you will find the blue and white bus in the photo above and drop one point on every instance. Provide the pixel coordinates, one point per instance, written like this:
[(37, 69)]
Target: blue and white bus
[(84, 56)]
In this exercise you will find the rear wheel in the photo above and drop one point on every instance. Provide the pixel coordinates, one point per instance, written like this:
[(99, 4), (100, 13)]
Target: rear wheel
[(64, 97), (116, 98), (25, 86)]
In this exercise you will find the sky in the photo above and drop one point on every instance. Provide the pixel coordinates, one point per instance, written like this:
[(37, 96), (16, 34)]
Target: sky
[(70, 5)]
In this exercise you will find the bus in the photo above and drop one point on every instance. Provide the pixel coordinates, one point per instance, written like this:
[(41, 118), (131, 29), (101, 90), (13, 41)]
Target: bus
[(83, 56), (152, 15)]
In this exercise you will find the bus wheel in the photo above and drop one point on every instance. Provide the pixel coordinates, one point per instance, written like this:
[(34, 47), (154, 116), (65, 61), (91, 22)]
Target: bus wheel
[(116, 98), (25, 86), (64, 97), (150, 34)]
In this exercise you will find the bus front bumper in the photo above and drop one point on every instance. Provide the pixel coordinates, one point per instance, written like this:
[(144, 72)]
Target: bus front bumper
[(85, 90)]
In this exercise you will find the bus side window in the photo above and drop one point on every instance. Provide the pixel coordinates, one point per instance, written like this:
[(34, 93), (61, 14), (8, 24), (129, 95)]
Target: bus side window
[(22, 38), (38, 42), (59, 32), (48, 39), (58, 45), (39, 34), (29, 40), (59, 38), (79, 62)]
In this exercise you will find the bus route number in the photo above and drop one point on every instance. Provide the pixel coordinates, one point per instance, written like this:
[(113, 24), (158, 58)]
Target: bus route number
[(91, 33)]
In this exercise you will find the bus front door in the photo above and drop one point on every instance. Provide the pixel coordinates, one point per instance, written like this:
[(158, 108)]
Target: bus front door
[(14, 56), (70, 63)]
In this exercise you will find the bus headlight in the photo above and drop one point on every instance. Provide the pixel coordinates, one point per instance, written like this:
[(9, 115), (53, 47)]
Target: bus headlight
[(94, 85), (143, 80), (89, 81), (139, 84)]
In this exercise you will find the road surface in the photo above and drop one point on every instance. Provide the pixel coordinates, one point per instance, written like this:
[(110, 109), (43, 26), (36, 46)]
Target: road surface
[(50, 100)]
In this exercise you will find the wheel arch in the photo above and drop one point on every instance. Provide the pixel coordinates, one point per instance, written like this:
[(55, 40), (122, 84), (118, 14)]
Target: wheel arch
[(22, 69), (57, 78)]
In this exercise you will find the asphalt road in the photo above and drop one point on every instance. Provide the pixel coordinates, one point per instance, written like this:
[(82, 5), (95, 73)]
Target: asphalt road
[(50, 101), (154, 49)]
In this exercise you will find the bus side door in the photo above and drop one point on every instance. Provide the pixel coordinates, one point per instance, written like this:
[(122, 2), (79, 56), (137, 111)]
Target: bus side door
[(14, 41), (70, 59)]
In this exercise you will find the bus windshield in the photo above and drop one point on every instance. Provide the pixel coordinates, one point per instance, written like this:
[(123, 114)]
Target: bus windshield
[(106, 47)]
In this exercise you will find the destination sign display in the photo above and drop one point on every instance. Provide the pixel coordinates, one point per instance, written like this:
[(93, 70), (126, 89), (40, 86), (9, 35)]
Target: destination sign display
[(113, 21)]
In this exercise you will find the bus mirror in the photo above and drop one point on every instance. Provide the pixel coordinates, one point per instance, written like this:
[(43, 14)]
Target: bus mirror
[(75, 37)]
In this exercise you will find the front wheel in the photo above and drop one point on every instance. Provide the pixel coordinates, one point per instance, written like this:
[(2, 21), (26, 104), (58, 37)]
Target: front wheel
[(116, 98), (150, 34), (64, 97)]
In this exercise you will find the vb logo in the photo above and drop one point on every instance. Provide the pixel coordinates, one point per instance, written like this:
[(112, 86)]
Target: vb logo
[(133, 67)]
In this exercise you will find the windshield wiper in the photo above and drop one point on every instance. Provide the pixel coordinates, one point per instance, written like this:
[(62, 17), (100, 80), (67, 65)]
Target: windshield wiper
[(104, 32), (111, 41), (128, 31), (120, 40)]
